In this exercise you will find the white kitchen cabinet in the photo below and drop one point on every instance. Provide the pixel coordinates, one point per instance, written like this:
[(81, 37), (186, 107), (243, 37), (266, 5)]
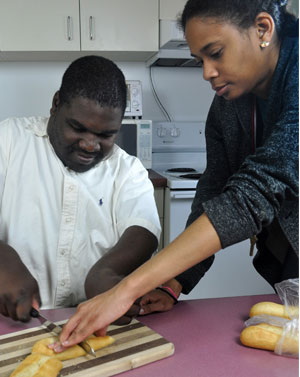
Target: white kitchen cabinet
[(169, 9), (119, 25), (39, 25), (159, 200), (59, 30)]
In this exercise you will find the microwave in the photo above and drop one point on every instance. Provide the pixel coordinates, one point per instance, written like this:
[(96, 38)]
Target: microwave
[(135, 137), (134, 99)]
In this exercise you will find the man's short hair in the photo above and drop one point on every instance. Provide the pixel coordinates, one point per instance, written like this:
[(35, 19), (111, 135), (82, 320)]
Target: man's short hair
[(95, 78)]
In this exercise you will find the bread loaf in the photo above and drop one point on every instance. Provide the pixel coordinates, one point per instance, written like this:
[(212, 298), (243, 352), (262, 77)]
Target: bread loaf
[(271, 308), (38, 366), (41, 347), (45, 362), (266, 337), (262, 336)]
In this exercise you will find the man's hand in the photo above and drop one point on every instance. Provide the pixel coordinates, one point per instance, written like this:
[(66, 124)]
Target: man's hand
[(18, 288), (155, 301), (158, 300)]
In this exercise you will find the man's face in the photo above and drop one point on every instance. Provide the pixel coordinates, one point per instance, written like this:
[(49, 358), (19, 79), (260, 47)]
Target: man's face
[(83, 133)]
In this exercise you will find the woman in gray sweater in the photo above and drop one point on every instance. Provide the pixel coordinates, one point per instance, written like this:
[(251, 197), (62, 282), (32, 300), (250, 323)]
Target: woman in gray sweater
[(249, 51)]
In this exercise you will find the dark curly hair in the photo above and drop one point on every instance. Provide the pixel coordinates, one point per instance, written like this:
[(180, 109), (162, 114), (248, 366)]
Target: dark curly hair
[(95, 78), (241, 13)]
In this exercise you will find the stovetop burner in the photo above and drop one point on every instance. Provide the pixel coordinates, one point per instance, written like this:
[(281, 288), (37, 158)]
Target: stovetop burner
[(191, 176), (180, 170)]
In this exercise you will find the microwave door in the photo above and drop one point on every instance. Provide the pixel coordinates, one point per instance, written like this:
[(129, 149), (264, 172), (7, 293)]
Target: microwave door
[(127, 138)]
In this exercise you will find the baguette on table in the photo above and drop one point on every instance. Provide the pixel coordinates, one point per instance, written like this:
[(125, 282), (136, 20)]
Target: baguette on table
[(273, 309), (264, 336), (269, 336)]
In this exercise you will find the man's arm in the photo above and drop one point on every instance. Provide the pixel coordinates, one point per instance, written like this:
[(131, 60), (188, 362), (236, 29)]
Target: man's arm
[(18, 288), (135, 246)]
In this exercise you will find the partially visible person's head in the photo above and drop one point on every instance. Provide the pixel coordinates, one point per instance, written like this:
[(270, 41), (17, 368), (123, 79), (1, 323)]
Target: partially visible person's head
[(241, 13), (95, 78), (87, 112), (237, 41)]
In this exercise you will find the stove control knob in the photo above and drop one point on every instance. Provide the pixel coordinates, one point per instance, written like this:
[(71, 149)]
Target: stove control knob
[(175, 132), (161, 132)]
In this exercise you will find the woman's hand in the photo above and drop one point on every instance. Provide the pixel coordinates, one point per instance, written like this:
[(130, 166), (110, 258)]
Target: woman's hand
[(94, 316), (100, 280)]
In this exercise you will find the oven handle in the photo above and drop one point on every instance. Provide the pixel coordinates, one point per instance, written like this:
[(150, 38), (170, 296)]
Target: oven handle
[(183, 195)]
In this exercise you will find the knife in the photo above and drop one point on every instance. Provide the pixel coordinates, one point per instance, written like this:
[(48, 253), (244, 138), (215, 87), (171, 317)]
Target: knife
[(52, 327)]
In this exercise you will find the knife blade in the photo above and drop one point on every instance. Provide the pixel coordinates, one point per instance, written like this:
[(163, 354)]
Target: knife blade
[(56, 329)]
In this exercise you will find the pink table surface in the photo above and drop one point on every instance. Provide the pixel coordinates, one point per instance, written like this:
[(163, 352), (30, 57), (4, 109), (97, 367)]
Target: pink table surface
[(206, 338)]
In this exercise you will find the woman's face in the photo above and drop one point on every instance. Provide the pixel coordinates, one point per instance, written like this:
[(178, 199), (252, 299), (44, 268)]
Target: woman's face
[(233, 61)]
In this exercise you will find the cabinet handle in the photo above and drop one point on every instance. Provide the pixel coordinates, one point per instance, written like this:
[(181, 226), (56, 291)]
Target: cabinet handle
[(69, 28), (91, 28), (183, 196)]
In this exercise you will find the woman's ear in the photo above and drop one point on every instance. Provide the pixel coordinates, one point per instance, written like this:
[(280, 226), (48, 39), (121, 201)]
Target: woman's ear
[(265, 27), (55, 103)]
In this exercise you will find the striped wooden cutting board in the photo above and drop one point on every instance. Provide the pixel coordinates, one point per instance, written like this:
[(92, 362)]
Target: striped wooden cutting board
[(135, 345)]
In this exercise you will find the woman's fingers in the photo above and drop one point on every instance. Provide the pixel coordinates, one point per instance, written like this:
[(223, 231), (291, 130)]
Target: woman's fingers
[(75, 330), (95, 315), (101, 332), (92, 315)]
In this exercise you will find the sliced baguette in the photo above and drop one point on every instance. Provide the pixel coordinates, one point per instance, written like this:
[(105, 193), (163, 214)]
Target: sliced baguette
[(38, 366)]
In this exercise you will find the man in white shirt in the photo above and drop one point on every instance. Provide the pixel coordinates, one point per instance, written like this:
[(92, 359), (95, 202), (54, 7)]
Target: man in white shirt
[(77, 213)]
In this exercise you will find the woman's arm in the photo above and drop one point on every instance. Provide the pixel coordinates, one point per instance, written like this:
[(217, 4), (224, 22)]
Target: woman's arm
[(196, 243)]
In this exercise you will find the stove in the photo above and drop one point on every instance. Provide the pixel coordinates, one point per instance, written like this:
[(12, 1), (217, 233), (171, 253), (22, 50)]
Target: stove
[(179, 152)]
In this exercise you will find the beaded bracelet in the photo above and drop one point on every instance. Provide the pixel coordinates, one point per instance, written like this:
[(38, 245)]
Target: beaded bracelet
[(169, 291)]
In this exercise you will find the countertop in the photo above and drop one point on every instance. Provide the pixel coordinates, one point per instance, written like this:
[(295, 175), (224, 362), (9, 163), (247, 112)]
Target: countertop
[(206, 337), (157, 179)]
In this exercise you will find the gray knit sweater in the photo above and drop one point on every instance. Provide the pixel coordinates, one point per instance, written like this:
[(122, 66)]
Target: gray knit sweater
[(243, 191)]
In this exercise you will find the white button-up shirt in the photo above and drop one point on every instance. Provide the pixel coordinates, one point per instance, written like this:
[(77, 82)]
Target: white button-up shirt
[(59, 221)]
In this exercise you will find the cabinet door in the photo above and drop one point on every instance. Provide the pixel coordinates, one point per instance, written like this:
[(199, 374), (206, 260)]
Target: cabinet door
[(119, 25), (169, 9), (159, 200), (39, 25)]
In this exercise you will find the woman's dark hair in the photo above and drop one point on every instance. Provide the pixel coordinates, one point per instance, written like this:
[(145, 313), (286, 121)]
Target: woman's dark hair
[(95, 78), (241, 13)]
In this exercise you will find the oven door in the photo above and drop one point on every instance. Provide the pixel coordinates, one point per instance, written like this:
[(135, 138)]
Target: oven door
[(177, 208), (223, 279)]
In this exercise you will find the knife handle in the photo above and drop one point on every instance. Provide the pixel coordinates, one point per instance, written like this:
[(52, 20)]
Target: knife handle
[(34, 313)]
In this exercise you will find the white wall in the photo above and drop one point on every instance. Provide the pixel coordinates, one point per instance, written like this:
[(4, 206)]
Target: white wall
[(27, 88)]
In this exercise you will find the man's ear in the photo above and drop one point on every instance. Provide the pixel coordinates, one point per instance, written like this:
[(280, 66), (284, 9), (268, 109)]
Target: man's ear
[(265, 27), (55, 103)]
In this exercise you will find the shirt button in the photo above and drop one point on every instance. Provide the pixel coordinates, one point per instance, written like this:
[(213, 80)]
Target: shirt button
[(71, 188), (63, 284), (63, 251), (68, 219)]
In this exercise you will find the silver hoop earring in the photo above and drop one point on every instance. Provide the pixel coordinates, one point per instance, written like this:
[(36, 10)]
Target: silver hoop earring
[(264, 44)]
